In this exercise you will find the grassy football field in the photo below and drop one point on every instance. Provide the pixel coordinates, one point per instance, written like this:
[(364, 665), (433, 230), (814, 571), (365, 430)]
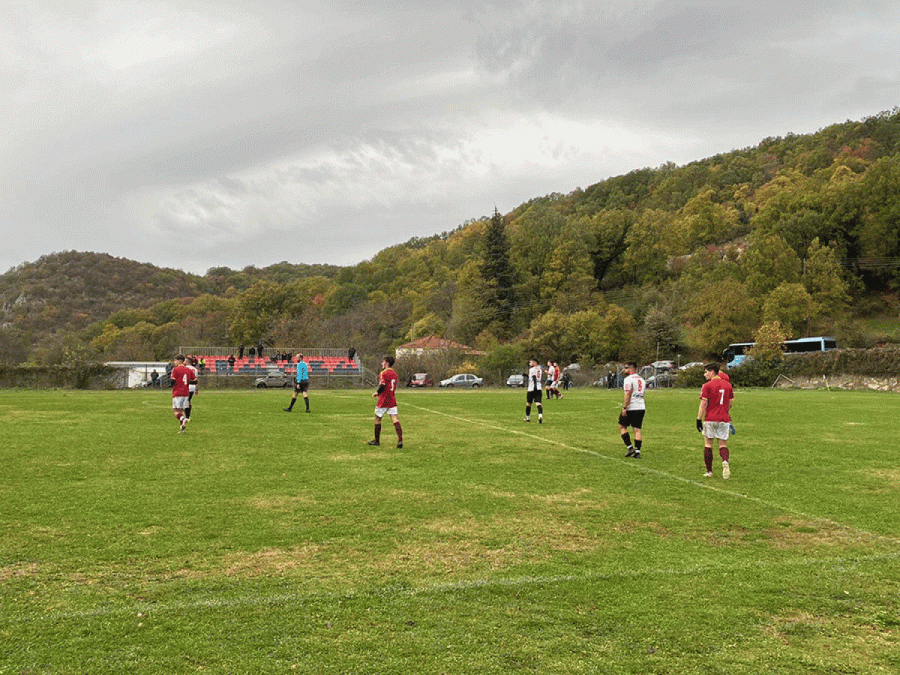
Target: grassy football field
[(266, 542)]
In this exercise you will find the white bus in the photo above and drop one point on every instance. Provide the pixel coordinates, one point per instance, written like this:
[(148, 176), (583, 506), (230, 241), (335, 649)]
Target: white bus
[(735, 353)]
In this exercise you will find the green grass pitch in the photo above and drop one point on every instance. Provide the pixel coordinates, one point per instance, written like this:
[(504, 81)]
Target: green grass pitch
[(266, 542)]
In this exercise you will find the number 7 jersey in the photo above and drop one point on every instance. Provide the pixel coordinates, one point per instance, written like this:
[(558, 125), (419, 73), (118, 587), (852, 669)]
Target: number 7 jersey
[(718, 394)]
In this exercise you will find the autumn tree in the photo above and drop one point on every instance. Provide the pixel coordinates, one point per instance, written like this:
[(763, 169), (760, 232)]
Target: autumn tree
[(791, 306), (616, 334), (609, 234), (768, 262), (721, 312), (567, 282), (768, 342), (569, 335), (662, 328), (824, 280)]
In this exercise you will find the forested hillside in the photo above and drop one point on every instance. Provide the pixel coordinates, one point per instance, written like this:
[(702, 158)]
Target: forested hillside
[(802, 230)]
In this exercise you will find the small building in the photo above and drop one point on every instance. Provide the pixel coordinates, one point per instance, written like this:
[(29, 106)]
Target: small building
[(138, 373)]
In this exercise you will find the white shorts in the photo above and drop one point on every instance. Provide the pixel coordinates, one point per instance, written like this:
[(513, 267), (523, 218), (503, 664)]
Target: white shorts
[(192, 388), (720, 430), (380, 412), (179, 402)]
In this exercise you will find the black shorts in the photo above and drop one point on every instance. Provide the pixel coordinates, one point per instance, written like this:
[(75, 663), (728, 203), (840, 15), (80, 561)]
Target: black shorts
[(534, 396), (632, 418), (300, 387)]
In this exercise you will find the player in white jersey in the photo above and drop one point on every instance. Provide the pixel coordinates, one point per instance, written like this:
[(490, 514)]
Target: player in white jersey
[(533, 393), (633, 409), (191, 364)]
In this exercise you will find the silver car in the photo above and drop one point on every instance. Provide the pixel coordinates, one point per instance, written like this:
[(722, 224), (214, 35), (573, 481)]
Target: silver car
[(463, 380), (515, 380), (274, 379)]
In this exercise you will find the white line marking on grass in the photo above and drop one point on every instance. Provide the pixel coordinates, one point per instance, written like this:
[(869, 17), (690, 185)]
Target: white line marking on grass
[(151, 609), (665, 474)]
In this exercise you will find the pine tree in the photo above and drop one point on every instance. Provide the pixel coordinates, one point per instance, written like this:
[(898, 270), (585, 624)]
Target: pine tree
[(498, 274)]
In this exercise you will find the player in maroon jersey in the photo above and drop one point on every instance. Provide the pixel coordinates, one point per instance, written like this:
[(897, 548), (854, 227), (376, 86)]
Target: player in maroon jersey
[(387, 401), (181, 378), (713, 417)]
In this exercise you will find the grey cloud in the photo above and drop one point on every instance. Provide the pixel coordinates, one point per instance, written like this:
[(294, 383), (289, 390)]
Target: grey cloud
[(369, 123)]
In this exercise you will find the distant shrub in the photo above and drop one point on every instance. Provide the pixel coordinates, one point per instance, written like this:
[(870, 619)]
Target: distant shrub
[(756, 373), (882, 362), (690, 378), (78, 376)]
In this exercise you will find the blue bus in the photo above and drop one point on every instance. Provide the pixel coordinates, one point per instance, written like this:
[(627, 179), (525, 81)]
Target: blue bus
[(736, 352)]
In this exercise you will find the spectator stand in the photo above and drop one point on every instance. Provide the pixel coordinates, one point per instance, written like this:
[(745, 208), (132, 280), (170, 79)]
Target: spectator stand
[(327, 367)]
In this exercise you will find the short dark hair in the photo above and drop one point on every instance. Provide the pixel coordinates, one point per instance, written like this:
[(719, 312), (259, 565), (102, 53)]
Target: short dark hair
[(713, 367), (389, 360), (180, 357), (631, 364)]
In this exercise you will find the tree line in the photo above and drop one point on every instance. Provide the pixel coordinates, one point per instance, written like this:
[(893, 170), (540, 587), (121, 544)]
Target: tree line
[(801, 233)]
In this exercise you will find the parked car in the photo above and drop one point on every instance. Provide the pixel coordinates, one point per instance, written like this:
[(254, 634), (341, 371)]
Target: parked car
[(661, 379), (663, 365), (420, 380), (515, 381), (275, 378), (463, 380), (692, 364)]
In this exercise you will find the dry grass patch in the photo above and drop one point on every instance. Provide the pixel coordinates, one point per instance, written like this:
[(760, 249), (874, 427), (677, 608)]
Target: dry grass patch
[(643, 526), (280, 502), (359, 456), (796, 533), (19, 571), (447, 557), (891, 477), (836, 639), (273, 561)]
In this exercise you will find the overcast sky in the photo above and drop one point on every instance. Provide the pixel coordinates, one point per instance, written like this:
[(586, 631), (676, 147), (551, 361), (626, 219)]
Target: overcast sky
[(194, 134)]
